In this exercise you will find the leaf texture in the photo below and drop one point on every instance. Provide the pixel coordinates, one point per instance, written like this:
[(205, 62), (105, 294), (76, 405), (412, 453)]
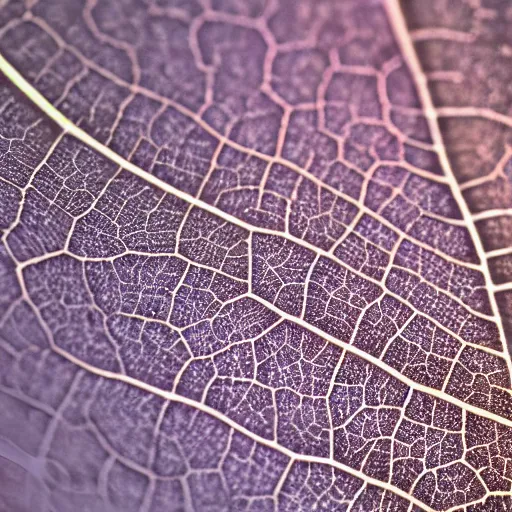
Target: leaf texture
[(255, 256)]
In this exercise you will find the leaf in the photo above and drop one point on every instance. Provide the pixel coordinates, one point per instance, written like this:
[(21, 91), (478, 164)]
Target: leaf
[(255, 256)]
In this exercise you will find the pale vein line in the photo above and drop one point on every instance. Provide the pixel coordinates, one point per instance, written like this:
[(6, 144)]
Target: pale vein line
[(496, 253), (478, 112), (491, 214), (502, 287), (440, 33), (77, 132), (403, 39)]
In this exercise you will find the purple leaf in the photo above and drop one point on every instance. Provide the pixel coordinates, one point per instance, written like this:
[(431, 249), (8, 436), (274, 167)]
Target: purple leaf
[(255, 256)]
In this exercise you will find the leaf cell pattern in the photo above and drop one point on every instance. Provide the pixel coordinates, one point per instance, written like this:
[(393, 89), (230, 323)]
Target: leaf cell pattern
[(255, 256)]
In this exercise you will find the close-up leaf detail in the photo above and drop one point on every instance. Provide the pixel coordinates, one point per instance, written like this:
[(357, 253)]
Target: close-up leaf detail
[(256, 255)]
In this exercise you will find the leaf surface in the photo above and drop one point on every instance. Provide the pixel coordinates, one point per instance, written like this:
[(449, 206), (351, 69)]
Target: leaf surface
[(255, 256)]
